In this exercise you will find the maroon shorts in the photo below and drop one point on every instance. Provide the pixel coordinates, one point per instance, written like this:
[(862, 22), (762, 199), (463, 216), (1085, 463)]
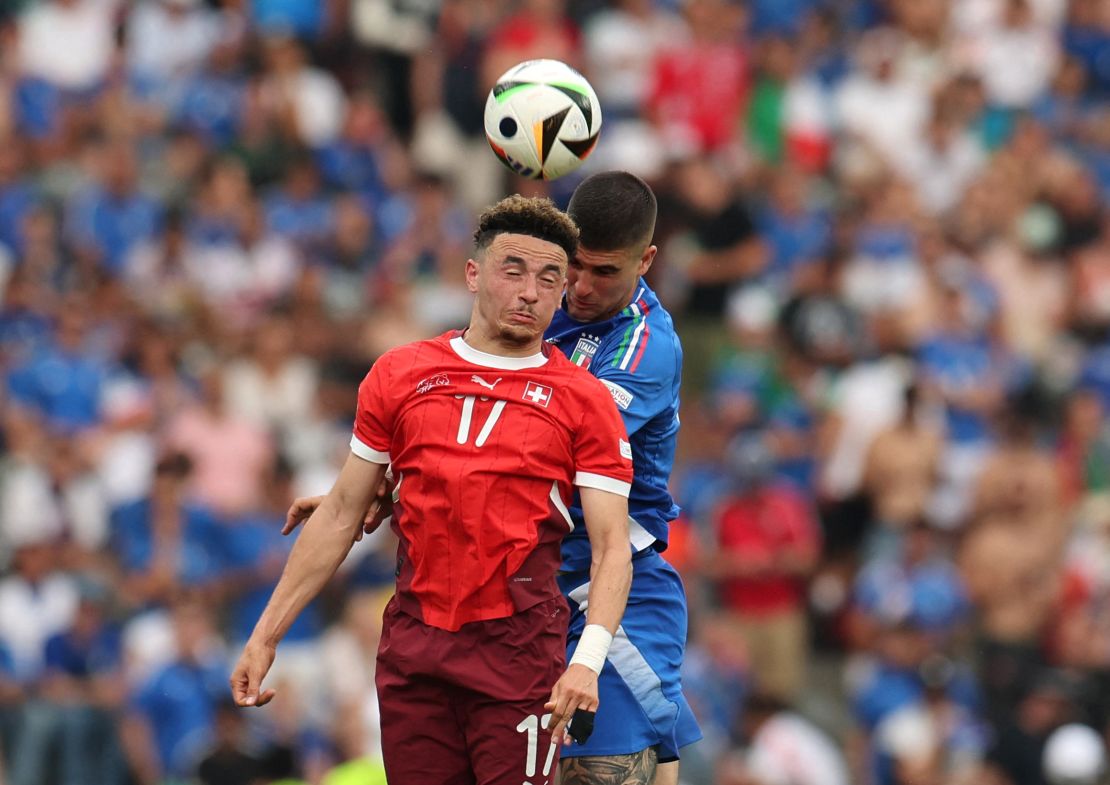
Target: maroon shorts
[(466, 707)]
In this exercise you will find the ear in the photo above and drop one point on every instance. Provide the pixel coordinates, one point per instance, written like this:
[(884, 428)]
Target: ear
[(647, 259), (472, 270)]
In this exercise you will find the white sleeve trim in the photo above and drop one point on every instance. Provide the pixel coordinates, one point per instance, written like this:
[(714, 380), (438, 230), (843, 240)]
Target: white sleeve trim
[(557, 500), (602, 483), (368, 453)]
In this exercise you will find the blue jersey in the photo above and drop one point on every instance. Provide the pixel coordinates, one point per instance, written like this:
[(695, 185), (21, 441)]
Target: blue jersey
[(637, 355)]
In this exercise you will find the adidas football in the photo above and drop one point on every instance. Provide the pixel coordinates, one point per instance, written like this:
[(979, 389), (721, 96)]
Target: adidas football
[(542, 119)]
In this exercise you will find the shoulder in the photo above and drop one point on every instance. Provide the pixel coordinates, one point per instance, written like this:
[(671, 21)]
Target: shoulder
[(643, 342), (560, 368), (582, 384)]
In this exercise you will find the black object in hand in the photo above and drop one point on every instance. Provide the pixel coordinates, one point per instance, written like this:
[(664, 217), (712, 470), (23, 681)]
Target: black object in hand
[(581, 725)]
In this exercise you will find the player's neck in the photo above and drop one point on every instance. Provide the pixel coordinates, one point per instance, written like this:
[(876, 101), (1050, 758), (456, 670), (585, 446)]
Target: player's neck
[(495, 345)]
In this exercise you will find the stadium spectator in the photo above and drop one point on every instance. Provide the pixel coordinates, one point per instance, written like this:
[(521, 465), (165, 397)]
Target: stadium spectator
[(782, 747), (166, 543), (227, 451), (82, 692), (170, 719), (766, 546)]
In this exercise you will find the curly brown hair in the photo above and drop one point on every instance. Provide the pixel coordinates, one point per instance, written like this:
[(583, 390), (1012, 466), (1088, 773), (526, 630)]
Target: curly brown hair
[(533, 216)]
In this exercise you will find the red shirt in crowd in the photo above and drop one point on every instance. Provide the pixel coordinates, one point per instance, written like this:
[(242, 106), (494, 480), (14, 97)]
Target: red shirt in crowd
[(761, 528), (700, 89)]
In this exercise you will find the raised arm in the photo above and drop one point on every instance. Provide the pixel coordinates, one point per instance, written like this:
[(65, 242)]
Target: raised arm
[(317, 553)]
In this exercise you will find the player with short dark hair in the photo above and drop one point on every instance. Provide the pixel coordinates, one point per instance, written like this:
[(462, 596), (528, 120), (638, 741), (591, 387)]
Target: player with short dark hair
[(489, 432), (616, 211), (613, 325)]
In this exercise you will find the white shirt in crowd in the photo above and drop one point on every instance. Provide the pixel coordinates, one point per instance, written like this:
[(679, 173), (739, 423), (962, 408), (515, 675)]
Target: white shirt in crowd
[(279, 401), (884, 114), (620, 50), (169, 38), (789, 750), (31, 615), (68, 44), (1016, 64)]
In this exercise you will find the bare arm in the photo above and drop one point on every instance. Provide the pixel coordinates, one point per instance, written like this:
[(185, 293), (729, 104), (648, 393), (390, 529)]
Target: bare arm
[(606, 517), (380, 509), (318, 552)]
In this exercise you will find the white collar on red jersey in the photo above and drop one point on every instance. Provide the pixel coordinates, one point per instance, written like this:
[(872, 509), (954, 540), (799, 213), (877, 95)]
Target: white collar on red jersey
[(472, 355)]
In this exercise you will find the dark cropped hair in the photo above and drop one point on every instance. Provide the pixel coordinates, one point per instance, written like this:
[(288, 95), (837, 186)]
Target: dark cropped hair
[(535, 217), (615, 211)]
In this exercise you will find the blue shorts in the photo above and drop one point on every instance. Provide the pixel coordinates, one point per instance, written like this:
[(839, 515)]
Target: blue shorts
[(640, 688)]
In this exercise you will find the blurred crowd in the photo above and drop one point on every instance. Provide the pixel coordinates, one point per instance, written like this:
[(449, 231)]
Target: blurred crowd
[(884, 237)]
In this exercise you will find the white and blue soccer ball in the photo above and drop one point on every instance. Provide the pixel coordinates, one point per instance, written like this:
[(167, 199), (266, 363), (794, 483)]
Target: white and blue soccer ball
[(542, 119)]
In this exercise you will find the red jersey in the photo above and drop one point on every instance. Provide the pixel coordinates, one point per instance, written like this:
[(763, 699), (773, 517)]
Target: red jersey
[(486, 451)]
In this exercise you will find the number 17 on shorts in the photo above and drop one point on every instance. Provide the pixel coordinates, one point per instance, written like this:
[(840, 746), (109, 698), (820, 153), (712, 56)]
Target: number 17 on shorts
[(531, 726)]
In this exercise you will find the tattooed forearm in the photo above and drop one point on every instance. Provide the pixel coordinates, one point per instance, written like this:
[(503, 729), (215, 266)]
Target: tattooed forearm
[(635, 769)]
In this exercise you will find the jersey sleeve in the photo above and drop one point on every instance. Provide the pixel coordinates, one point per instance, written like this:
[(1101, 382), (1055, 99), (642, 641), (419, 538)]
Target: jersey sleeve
[(602, 454), (641, 384), (374, 415)]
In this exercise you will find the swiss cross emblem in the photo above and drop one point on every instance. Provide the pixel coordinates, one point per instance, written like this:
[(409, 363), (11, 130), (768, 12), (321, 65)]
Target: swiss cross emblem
[(537, 393)]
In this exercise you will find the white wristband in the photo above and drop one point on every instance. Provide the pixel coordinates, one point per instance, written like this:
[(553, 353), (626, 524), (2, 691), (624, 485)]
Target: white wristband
[(592, 648)]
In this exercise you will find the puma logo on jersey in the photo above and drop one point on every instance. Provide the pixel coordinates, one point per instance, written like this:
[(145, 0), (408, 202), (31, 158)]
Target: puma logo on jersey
[(479, 380)]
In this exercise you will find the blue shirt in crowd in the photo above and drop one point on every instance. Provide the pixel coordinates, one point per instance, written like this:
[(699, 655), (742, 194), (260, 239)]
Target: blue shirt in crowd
[(16, 202), (179, 702), (212, 105), (64, 386), (199, 556), (111, 225), (84, 657)]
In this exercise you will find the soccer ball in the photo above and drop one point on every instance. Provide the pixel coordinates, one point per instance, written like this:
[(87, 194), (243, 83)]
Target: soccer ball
[(542, 119)]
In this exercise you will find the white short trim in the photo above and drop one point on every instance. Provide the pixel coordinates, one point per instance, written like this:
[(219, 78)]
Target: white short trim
[(634, 669), (486, 360), (602, 483), (639, 536), (368, 453)]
